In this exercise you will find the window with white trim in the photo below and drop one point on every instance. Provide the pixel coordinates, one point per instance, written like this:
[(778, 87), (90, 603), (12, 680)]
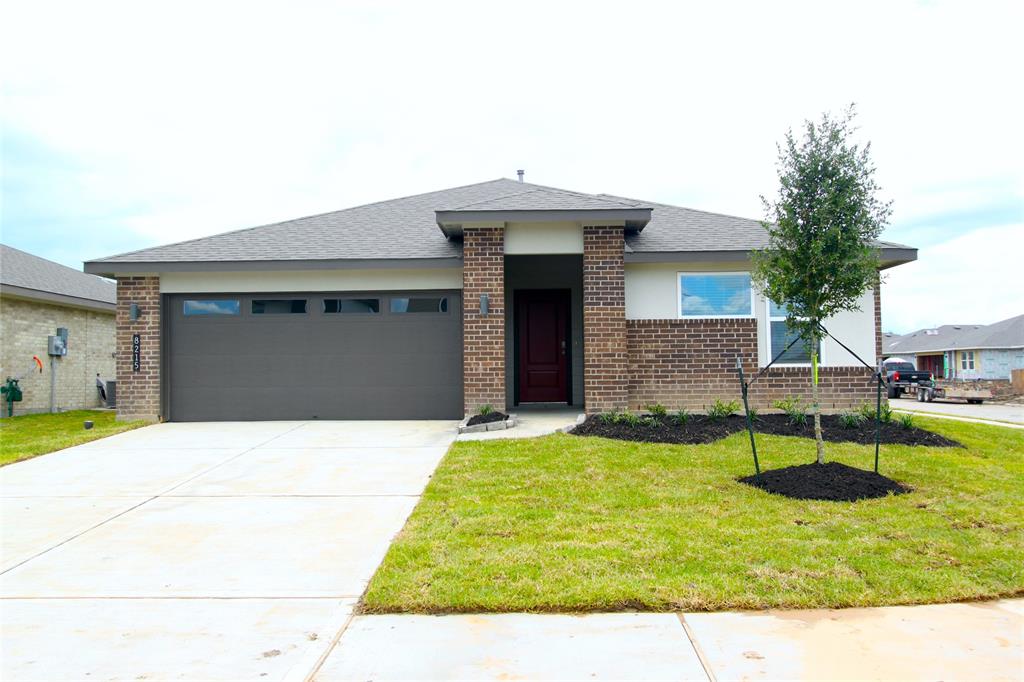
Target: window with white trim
[(781, 335), (715, 294), (967, 359)]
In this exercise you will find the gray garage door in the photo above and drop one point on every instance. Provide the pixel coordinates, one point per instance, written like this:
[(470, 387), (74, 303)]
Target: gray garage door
[(393, 355)]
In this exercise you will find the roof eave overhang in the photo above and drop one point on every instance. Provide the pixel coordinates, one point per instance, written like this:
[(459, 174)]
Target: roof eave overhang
[(126, 268), (53, 298), (888, 257), (452, 222)]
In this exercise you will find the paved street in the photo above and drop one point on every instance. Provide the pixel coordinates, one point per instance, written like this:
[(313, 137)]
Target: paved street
[(989, 411)]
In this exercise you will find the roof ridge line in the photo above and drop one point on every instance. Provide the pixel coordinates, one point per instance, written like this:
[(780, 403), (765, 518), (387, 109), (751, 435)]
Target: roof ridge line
[(542, 188), (484, 201)]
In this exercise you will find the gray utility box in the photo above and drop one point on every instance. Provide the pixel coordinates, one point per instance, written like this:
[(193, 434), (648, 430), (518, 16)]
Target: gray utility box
[(111, 390), (56, 346)]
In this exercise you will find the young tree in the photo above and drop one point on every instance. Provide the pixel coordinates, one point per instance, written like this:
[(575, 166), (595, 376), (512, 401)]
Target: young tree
[(821, 255)]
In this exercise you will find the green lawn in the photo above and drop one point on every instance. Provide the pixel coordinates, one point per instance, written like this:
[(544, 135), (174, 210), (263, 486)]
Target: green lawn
[(36, 434), (564, 523)]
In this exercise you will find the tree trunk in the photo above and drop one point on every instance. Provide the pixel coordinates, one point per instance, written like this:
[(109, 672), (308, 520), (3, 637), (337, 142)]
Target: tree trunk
[(819, 442)]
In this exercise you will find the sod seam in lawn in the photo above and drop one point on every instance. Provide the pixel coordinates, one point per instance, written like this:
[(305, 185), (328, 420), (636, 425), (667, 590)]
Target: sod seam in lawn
[(564, 523), (31, 435)]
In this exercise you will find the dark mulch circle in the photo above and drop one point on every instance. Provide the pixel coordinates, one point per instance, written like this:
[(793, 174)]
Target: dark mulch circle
[(700, 429), (832, 481), (487, 418)]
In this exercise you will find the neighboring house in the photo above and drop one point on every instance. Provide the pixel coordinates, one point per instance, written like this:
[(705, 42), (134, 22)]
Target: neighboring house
[(36, 297), (431, 306), (964, 351)]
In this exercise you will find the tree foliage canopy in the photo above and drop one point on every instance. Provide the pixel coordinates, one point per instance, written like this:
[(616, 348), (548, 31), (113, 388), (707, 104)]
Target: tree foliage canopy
[(821, 255)]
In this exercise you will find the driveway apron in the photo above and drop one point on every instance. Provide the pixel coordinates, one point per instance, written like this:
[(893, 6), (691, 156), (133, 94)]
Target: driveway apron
[(201, 550)]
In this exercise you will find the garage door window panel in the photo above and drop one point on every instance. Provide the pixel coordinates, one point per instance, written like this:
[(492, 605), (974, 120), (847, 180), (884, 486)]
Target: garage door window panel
[(214, 307), (419, 304), (351, 306), (279, 306)]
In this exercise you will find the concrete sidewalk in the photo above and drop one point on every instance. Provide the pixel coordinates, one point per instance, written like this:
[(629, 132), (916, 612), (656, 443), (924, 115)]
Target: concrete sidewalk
[(948, 641)]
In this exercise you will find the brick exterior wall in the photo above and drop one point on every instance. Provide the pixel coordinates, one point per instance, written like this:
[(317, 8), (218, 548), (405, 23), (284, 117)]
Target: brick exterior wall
[(138, 393), (483, 272), (691, 363), (24, 326), (605, 361)]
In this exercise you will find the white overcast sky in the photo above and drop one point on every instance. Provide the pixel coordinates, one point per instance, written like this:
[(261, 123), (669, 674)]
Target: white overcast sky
[(126, 125)]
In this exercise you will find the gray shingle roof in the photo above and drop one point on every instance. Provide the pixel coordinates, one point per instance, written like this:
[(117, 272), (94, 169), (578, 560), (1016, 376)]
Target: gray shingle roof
[(23, 270), (407, 228), (1005, 334), (545, 199)]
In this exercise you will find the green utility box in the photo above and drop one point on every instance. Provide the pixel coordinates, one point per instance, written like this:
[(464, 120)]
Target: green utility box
[(11, 392)]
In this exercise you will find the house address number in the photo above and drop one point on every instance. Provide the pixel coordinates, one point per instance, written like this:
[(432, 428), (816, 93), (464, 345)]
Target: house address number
[(136, 353)]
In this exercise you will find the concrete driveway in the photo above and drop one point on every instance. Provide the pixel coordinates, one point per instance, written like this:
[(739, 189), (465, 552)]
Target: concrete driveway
[(201, 551)]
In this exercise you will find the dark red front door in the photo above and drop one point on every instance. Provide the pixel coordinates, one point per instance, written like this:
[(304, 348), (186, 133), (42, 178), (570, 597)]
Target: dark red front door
[(543, 329)]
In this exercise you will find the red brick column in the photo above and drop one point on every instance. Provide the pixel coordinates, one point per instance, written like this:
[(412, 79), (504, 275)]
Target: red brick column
[(483, 337), (605, 361), (138, 392)]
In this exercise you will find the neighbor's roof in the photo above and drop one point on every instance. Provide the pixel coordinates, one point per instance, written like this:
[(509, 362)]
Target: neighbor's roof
[(28, 276), (407, 228), (1005, 334)]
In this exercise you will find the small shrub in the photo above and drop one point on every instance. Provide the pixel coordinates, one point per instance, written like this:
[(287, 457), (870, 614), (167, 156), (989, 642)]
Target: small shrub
[(657, 410), (907, 421), (851, 420), (720, 410), (867, 410), (753, 413), (681, 417), (794, 408), (609, 417), (649, 421), (629, 419), (486, 410)]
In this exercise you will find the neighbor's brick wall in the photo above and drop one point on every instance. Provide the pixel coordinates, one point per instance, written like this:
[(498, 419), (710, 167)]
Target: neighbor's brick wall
[(606, 368), (138, 393), (483, 272), (691, 363), (24, 326)]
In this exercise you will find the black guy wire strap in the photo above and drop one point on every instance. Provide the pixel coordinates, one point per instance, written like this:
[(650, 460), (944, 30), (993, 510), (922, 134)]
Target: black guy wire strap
[(878, 398), (774, 360), (746, 411), (847, 348)]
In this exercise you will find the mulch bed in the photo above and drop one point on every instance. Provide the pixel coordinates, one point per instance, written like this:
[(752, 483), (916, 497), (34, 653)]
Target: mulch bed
[(487, 418), (832, 481), (700, 429)]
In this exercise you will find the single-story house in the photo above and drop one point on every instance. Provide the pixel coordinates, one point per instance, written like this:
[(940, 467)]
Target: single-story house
[(38, 296), (964, 351), (500, 293)]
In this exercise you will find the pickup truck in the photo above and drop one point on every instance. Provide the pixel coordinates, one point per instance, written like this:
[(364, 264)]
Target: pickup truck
[(901, 375)]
